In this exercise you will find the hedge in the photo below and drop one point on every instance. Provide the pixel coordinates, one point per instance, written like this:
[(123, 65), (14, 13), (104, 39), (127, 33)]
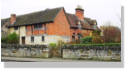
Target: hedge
[(105, 44)]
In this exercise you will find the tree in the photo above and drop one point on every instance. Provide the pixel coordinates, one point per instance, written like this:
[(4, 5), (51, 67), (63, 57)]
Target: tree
[(13, 38), (96, 37), (112, 33)]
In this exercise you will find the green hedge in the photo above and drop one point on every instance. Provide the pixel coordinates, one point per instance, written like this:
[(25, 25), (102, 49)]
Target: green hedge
[(105, 44)]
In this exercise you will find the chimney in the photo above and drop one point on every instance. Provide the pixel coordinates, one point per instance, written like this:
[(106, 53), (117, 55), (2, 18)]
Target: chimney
[(13, 18), (79, 12)]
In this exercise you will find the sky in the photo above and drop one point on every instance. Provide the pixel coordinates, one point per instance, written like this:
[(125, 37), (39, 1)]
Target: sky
[(100, 10)]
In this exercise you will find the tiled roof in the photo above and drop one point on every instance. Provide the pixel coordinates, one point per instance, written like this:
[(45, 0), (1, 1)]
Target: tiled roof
[(73, 20), (4, 21), (47, 15)]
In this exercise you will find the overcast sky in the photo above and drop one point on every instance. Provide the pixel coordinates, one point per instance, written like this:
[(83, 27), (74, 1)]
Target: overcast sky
[(101, 10)]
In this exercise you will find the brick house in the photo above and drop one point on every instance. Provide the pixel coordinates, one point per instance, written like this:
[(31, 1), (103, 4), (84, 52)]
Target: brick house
[(50, 25)]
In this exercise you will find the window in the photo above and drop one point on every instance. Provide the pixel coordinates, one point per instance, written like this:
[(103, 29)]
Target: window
[(95, 27), (35, 26), (32, 39), (42, 38), (15, 28), (40, 26)]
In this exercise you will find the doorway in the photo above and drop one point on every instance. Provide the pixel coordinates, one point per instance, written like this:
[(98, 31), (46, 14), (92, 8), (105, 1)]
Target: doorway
[(73, 38), (23, 40)]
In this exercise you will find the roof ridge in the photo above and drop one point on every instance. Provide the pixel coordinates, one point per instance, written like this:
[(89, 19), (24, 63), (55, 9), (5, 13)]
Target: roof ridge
[(41, 10), (36, 12)]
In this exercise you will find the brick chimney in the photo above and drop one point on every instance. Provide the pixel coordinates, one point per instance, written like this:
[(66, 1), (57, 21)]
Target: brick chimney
[(13, 18), (79, 12)]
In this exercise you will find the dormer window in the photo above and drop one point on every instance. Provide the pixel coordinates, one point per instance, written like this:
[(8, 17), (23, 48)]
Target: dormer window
[(16, 28), (95, 27)]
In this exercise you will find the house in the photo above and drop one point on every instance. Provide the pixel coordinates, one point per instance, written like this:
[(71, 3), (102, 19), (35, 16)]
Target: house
[(4, 29), (50, 25)]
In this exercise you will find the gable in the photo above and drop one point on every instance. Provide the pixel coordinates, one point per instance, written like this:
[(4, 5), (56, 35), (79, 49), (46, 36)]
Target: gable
[(73, 20)]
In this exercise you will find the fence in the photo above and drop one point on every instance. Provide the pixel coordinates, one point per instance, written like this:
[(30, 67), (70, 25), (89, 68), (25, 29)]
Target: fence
[(112, 52)]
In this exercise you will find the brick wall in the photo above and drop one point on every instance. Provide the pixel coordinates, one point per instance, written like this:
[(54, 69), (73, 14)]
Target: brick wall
[(60, 26), (80, 14), (87, 32)]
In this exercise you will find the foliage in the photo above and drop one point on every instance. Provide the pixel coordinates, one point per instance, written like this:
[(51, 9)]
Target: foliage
[(101, 44), (53, 45), (4, 40), (13, 38), (96, 37), (87, 40), (96, 32), (60, 43), (112, 34)]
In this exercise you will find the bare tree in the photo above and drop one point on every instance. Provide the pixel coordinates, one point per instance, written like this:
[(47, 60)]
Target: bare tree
[(119, 17)]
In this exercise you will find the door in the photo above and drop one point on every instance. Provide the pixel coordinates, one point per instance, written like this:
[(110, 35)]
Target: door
[(73, 38), (23, 40)]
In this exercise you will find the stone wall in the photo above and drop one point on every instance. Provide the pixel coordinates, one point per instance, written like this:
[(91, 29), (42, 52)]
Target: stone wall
[(16, 50), (92, 52)]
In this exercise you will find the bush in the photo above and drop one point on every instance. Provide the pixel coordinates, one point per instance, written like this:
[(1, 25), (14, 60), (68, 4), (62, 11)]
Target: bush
[(112, 34), (53, 45), (13, 38), (60, 43), (96, 37), (100, 44), (4, 40), (87, 40)]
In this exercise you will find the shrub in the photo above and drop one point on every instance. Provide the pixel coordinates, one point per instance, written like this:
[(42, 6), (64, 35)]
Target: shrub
[(4, 40), (53, 45), (60, 43), (112, 33), (13, 38), (87, 40), (96, 37), (100, 44)]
